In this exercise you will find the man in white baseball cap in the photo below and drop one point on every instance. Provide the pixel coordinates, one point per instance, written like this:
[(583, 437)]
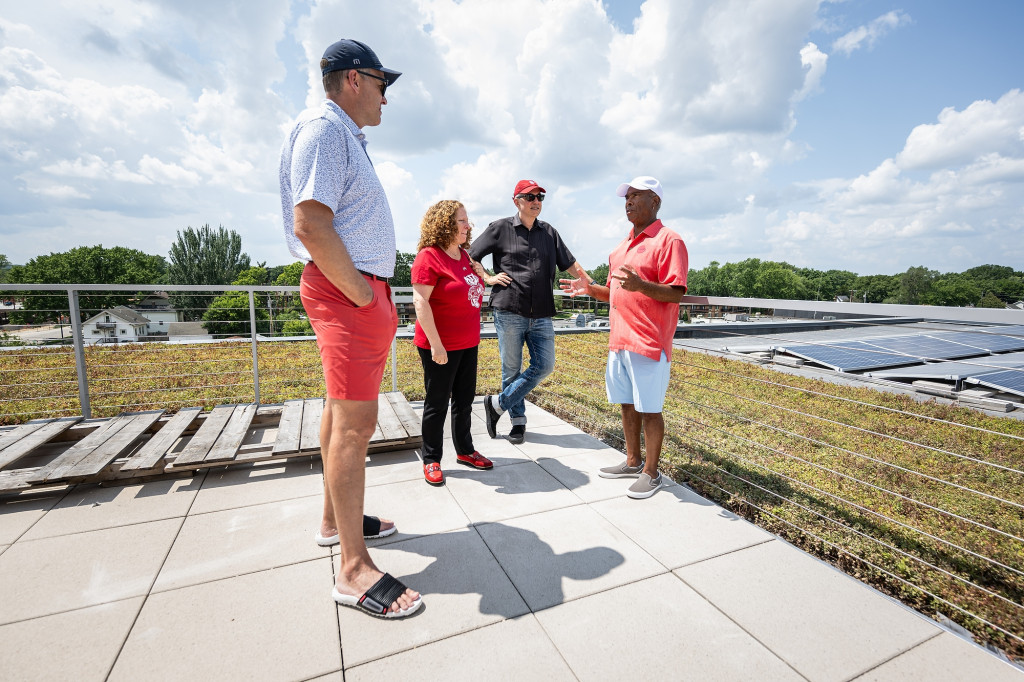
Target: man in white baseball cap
[(646, 281)]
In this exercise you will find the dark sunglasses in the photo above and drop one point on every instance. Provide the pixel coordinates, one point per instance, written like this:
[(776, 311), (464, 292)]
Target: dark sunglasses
[(383, 88), (532, 197)]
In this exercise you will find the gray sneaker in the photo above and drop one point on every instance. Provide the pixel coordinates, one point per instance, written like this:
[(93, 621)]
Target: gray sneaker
[(645, 486), (621, 471)]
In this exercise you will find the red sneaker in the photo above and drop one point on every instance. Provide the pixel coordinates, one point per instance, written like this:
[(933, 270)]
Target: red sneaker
[(476, 460), (432, 472)]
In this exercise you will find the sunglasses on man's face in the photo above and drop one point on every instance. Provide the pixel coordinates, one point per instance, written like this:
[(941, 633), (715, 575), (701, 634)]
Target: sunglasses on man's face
[(531, 197), (384, 81)]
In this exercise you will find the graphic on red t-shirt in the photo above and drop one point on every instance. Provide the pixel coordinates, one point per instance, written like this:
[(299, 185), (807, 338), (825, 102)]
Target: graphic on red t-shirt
[(454, 301)]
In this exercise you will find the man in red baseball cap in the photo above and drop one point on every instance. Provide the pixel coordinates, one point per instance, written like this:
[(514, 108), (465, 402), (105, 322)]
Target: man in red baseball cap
[(526, 253)]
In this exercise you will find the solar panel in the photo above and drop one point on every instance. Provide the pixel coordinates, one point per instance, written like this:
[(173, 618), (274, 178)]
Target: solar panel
[(953, 371), (849, 356), (1009, 380), (925, 347), (1010, 330), (990, 342)]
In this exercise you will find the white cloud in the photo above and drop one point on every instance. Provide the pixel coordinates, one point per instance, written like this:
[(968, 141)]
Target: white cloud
[(134, 120), (814, 62), (868, 35), (960, 137)]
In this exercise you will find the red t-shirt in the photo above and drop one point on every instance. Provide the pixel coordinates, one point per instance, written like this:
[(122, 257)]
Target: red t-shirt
[(455, 300), (639, 323)]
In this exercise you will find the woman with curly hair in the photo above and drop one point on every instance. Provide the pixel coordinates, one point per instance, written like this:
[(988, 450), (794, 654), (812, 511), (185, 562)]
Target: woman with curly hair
[(447, 290)]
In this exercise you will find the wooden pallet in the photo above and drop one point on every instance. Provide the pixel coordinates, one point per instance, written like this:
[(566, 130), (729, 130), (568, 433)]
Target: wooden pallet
[(143, 444)]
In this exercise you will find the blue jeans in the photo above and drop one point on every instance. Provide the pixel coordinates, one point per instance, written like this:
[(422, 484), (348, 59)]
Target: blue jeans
[(539, 336)]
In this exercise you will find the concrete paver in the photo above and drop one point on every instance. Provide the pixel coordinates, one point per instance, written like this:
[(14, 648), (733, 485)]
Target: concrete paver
[(536, 569), (521, 489), (559, 441), (257, 483), (392, 467), (463, 589), (51, 575), (18, 514), (80, 645), (672, 525), (93, 507), (268, 625), (825, 624), (242, 540), (564, 554), (488, 653), (943, 657), (499, 451), (423, 509), (676, 634)]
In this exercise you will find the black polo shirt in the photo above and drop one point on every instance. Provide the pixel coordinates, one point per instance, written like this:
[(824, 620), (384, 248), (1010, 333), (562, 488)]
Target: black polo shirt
[(530, 257)]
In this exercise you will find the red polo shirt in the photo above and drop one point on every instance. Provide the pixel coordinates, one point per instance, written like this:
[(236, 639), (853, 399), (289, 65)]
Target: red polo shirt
[(639, 323)]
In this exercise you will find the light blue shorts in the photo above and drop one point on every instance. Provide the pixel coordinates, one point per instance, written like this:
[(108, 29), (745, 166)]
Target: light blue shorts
[(636, 379)]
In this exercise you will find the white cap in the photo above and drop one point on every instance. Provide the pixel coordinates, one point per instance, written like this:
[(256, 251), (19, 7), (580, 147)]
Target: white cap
[(641, 182)]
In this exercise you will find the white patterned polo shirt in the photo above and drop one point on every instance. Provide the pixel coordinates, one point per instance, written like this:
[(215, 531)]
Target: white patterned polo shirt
[(324, 158)]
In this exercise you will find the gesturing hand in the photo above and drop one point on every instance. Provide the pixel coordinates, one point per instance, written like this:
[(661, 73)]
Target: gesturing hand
[(628, 277), (574, 287)]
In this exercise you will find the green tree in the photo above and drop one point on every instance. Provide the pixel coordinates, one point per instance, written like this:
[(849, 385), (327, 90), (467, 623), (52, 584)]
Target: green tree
[(708, 281), (825, 286), (599, 274), (291, 275), (204, 256), (775, 280), (990, 300), (915, 284), (403, 269), (228, 314), (82, 265), (953, 290), (5, 265), (876, 288)]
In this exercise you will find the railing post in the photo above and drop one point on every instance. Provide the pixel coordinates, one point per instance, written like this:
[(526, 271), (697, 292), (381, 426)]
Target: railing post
[(252, 335), (77, 339), (394, 365)]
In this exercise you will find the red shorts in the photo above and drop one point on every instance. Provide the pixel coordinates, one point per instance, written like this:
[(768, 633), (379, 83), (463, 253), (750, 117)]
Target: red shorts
[(354, 342)]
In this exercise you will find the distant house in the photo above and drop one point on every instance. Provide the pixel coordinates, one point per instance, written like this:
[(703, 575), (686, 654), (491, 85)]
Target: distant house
[(842, 299), (156, 308), (1019, 305), (115, 325)]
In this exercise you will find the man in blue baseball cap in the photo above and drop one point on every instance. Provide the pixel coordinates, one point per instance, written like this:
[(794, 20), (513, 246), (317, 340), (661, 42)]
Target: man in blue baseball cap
[(337, 219)]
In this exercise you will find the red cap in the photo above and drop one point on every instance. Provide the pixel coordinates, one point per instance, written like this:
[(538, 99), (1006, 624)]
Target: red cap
[(526, 187)]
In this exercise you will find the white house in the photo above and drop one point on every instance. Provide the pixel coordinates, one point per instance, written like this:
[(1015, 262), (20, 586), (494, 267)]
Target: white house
[(156, 308), (115, 325)]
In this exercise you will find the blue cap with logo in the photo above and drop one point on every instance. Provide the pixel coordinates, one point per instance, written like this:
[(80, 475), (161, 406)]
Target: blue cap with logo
[(352, 54)]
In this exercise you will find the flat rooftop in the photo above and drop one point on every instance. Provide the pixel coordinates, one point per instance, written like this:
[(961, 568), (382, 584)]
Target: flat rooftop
[(537, 569)]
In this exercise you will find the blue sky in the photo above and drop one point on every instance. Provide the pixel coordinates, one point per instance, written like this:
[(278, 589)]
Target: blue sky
[(862, 135)]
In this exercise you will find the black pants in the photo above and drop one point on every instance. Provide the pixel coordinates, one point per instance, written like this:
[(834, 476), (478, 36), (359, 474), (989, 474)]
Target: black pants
[(453, 382)]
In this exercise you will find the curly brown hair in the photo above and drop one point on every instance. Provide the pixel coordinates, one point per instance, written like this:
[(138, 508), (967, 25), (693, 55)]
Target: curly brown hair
[(438, 227)]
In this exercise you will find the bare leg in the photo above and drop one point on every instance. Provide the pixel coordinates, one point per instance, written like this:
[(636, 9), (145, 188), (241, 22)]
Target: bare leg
[(327, 525), (351, 426), (654, 434), (631, 429)]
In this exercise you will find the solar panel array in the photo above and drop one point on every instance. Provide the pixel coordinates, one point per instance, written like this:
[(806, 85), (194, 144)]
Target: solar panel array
[(849, 356), (1009, 380), (994, 343), (954, 371), (925, 347), (911, 349)]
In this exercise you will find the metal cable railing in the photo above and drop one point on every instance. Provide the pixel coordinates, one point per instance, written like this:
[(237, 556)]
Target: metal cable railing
[(847, 487)]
